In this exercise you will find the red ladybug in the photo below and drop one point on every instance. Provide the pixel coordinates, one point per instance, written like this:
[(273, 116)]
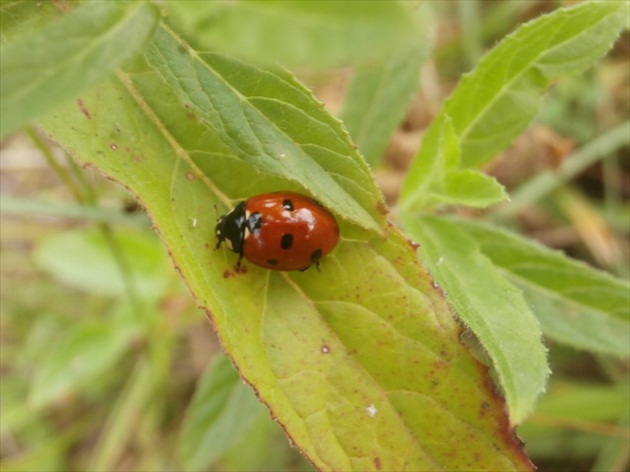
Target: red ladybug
[(279, 231)]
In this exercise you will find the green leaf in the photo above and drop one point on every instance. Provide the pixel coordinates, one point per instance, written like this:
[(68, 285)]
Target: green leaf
[(77, 359), (493, 104), (22, 17), (369, 339), (574, 421), (437, 177), (490, 305), (56, 63), (378, 95), (222, 411), (86, 259), (312, 34), (496, 101), (33, 206), (265, 122), (133, 406), (575, 304)]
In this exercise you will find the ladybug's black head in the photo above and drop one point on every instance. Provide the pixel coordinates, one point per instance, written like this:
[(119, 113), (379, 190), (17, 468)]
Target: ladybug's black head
[(231, 228)]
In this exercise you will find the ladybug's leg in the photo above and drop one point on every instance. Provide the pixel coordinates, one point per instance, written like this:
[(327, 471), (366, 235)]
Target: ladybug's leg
[(309, 266), (315, 257)]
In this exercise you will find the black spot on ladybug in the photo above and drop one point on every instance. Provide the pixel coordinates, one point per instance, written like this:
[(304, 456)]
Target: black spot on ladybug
[(287, 204), (316, 255), (287, 241), (272, 261)]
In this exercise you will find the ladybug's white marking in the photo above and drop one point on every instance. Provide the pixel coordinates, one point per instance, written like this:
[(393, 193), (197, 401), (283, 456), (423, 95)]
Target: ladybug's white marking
[(371, 411), (193, 222)]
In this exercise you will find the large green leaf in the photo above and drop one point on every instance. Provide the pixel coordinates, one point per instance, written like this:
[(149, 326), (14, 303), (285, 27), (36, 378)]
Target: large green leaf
[(575, 304), (496, 101), (490, 305), (260, 121), (67, 56), (362, 363)]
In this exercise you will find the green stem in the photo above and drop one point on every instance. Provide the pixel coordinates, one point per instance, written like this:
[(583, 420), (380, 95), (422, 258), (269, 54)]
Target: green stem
[(89, 197), (61, 172)]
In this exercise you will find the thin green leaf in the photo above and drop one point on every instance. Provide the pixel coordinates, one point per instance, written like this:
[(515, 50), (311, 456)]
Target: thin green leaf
[(613, 455), (379, 93), (369, 338), (83, 259), (312, 34), (496, 101), (76, 360), (575, 304), (222, 411), (490, 305), (29, 206), (67, 56), (588, 410), (439, 178), (127, 412), (493, 104)]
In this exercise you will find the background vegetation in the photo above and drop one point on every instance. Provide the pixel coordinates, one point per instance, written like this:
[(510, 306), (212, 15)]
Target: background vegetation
[(107, 364)]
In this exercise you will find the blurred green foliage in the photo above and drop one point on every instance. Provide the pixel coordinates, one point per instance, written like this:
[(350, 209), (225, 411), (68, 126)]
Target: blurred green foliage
[(107, 364)]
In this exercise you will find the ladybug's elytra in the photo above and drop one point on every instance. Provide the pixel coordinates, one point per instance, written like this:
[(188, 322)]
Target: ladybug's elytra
[(279, 231)]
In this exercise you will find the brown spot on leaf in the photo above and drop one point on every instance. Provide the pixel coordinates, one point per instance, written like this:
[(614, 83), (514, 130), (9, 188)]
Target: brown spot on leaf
[(84, 110), (414, 245)]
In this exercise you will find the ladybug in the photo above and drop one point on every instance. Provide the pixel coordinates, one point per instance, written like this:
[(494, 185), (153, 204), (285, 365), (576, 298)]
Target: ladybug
[(279, 231)]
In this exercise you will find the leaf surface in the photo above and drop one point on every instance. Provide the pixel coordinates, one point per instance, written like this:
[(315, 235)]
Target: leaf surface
[(67, 56), (361, 364)]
